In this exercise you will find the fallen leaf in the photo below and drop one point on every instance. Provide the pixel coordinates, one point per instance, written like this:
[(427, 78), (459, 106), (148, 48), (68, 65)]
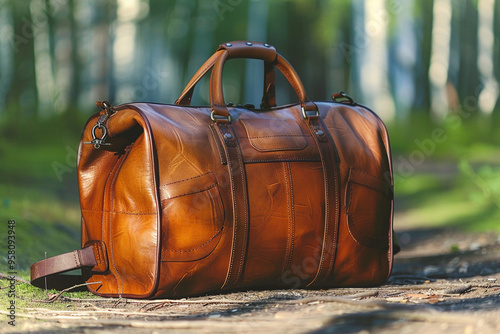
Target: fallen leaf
[(418, 295)]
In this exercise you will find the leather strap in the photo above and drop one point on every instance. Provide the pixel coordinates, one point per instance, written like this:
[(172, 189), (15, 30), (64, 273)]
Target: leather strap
[(93, 255), (329, 160), (240, 203), (186, 95), (268, 97), (269, 94), (255, 51)]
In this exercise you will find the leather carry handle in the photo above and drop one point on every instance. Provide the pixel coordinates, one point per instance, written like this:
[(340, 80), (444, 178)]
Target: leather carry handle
[(93, 255), (268, 96), (254, 50)]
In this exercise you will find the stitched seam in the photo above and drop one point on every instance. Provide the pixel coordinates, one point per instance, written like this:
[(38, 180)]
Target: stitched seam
[(190, 193), (278, 148), (293, 215), (335, 226), (217, 143), (381, 191), (201, 246), (104, 200), (280, 159), (104, 211), (122, 212), (75, 258), (242, 172), (327, 218), (327, 206), (275, 136), (291, 219), (113, 182), (288, 211), (356, 227), (191, 178), (362, 172), (337, 201), (99, 257), (235, 226), (369, 237)]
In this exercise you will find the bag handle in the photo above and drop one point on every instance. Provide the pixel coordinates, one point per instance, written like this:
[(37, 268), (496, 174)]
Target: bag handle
[(254, 50), (268, 96), (92, 255)]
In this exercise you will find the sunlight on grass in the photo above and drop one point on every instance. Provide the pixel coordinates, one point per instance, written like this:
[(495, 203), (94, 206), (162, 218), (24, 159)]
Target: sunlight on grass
[(429, 201), (44, 223)]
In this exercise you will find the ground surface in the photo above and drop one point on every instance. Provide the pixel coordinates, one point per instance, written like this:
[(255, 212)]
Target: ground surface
[(444, 281)]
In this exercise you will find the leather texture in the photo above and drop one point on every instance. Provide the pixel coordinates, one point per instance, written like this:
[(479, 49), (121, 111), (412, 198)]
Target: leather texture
[(185, 203)]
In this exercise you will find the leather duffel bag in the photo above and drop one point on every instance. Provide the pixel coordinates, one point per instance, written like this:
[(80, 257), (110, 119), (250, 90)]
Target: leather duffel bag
[(179, 200)]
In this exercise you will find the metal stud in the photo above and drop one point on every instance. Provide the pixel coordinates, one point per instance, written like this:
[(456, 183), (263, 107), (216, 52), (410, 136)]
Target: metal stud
[(229, 44), (249, 44), (267, 45), (319, 133), (228, 136)]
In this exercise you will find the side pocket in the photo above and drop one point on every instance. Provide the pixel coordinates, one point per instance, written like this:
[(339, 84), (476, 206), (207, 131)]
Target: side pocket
[(192, 218), (368, 202)]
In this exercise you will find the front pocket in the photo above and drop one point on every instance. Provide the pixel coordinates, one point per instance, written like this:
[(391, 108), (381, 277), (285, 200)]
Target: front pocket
[(369, 209), (192, 218)]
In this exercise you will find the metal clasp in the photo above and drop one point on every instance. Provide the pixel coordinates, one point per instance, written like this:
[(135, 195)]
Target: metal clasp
[(96, 141), (101, 124)]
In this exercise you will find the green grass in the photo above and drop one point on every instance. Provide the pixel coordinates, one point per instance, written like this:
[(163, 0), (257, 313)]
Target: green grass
[(41, 199), (29, 297), (447, 174), (428, 201)]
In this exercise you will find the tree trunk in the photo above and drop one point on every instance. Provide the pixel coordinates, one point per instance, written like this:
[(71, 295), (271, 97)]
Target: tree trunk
[(21, 95)]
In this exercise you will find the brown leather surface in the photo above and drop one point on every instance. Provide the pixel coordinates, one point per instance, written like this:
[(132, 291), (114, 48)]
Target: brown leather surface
[(92, 255), (186, 206), (257, 50), (268, 96)]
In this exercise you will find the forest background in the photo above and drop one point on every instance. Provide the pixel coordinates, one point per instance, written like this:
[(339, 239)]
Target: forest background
[(429, 68)]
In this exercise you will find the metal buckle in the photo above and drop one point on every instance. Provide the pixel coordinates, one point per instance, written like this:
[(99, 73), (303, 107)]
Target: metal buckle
[(305, 115), (215, 118)]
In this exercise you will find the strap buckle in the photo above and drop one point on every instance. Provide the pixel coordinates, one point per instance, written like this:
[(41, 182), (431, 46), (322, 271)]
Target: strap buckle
[(305, 114), (216, 118)]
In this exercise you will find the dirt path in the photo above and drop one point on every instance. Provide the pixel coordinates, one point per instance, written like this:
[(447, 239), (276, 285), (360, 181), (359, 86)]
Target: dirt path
[(443, 281)]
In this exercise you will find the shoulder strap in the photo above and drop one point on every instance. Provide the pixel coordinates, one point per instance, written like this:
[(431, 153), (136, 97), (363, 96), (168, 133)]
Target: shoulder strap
[(92, 255)]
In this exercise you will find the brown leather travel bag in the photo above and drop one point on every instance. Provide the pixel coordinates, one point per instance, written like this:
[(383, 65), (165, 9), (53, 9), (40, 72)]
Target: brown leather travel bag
[(179, 200)]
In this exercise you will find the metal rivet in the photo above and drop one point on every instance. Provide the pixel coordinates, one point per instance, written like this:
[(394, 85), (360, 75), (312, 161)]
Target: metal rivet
[(320, 133), (249, 44), (267, 45), (229, 44), (228, 136)]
